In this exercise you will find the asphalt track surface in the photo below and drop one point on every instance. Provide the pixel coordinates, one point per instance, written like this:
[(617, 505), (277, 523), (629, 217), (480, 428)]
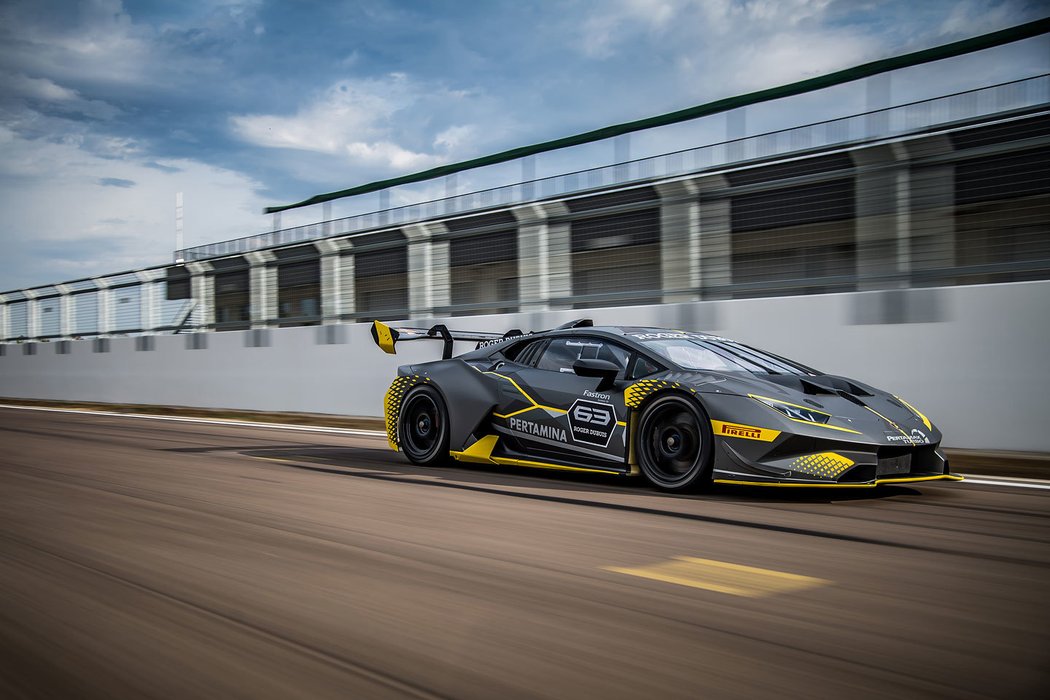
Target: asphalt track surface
[(144, 558)]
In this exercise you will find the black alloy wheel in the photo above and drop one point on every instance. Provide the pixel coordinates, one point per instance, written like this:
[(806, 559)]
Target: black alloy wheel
[(422, 427), (675, 443)]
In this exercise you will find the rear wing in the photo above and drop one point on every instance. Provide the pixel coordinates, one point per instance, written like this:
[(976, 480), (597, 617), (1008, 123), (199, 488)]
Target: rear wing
[(387, 337)]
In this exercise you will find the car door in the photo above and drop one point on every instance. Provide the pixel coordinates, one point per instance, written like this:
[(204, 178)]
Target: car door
[(548, 406)]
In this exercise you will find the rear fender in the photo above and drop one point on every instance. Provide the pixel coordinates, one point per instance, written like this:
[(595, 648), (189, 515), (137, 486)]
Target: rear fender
[(469, 395), (393, 399)]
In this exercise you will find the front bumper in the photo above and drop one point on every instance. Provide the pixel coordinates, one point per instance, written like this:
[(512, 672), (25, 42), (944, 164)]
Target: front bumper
[(759, 446), (829, 465)]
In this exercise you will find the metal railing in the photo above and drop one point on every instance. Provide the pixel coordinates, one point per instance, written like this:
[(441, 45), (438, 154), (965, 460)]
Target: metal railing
[(914, 117)]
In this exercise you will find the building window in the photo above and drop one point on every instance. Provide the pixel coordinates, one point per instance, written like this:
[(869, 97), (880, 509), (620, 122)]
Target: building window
[(127, 308), (381, 283), (85, 313), (794, 240), (178, 284), (484, 273), (232, 300), (299, 293), (50, 311), (1002, 218), (616, 259)]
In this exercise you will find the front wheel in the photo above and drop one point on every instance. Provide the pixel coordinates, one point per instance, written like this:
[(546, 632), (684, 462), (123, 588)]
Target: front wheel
[(422, 427), (675, 444)]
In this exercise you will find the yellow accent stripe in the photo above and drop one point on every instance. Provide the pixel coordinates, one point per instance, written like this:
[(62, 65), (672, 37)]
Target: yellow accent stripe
[(825, 425), (632, 454), (897, 427), (924, 419), (535, 404), (530, 408), (723, 577), (480, 452), (531, 400), (514, 413), (878, 482), (902, 480), (522, 391)]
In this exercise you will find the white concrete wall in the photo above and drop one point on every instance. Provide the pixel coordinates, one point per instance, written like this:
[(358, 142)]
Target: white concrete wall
[(975, 359)]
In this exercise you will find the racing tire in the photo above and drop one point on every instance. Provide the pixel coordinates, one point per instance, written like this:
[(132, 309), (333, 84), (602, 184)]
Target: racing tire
[(675, 444), (422, 427)]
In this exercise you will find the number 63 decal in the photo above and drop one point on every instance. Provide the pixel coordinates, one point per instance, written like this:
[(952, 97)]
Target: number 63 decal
[(592, 414)]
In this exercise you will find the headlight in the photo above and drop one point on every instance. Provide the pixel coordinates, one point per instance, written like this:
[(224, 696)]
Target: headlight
[(793, 410)]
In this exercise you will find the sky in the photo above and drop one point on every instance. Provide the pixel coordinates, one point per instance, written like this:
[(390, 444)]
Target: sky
[(109, 108)]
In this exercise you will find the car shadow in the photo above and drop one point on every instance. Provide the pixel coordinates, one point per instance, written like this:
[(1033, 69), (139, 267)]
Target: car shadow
[(385, 464)]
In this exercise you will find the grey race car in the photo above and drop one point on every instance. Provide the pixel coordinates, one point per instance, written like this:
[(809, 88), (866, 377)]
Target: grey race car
[(684, 409)]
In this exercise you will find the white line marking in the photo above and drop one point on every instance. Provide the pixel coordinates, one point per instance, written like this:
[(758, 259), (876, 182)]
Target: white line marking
[(1018, 484), (1010, 478), (210, 421)]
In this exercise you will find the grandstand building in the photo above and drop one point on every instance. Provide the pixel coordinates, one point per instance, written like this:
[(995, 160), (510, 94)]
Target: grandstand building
[(951, 190)]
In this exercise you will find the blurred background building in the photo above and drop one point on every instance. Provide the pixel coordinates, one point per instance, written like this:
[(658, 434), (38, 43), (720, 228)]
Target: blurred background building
[(952, 189)]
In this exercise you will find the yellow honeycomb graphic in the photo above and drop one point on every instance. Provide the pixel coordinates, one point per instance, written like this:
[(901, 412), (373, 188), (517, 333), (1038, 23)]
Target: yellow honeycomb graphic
[(636, 394), (392, 404), (826, 465)]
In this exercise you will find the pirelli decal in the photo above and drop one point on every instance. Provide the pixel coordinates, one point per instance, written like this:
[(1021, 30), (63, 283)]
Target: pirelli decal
[(747, 432)]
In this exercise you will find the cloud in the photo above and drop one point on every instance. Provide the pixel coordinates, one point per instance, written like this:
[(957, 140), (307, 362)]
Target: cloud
[(39, 89), (60, 224), (968, 17), (389, 155), (794, 55), (20, 92), (348, 112), (455, 138), (367, 124), (102, 45), (605, 31), (115, 182), (161, 167), (739, 45)]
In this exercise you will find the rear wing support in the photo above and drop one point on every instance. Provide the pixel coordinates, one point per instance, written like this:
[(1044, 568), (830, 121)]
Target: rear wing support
[(387, 337)]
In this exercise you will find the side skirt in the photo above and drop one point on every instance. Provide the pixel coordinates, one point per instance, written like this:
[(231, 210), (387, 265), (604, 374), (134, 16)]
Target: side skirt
[(483, 452)]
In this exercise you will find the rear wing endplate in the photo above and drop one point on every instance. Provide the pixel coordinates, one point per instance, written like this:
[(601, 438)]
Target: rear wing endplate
[(387, 337)]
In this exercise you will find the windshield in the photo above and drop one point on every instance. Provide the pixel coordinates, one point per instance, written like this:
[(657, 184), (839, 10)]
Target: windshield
[(690, 351)]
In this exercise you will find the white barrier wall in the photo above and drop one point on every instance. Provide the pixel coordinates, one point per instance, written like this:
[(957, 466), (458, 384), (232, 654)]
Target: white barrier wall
[(975, 359)]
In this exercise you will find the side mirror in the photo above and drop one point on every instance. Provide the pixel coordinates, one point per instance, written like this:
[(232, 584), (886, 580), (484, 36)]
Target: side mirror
[(597, 368)]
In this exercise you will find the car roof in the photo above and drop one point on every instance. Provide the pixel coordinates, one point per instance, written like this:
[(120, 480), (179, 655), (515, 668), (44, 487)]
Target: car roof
[(623, 330), (628, 334)]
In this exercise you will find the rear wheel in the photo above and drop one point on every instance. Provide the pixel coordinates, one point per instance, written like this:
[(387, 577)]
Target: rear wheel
[(675, 444), (422, 427)]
